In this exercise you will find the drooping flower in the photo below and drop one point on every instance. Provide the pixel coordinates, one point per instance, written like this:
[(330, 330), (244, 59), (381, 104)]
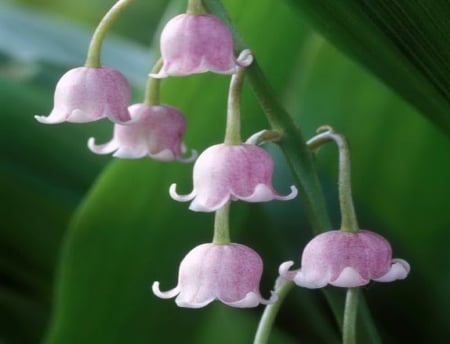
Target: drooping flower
[(86, 94), (231, 172), (229, 273), (156, 131), (193, 44), (346, 259)]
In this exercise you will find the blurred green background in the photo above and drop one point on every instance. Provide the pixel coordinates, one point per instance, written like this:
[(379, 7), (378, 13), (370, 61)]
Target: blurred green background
[(82, 237)]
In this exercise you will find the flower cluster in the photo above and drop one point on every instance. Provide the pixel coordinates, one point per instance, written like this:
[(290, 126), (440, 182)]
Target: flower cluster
[(230, 171)]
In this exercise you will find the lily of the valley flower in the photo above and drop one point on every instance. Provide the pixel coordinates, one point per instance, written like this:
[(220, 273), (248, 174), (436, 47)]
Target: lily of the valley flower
[(346, 259), (156, 131), (229, 273), (87, 94), (193, 44), (231, 172)]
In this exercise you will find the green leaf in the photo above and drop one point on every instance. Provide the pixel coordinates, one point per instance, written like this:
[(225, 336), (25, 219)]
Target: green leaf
[(405, 43), (40, 188)]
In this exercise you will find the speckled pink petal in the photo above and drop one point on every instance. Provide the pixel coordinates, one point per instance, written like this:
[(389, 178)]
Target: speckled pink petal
[(86, 94), (228, 273), (346, 260), (154, 131), (193, 44), (231, 172)]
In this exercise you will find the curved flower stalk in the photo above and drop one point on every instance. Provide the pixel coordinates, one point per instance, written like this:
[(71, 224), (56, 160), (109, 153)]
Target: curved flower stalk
[(346, 259), (92, 92), (156, 131), (229, 273), (86, 94), (231, 172), (192, 44)]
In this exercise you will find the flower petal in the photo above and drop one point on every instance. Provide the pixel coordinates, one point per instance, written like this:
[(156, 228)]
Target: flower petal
[(180, 198), (252, 299), (306, 281), (194, 155), (399, 270), (349, 278), (105, 148), (165, 294), (264, 193), (284, 272)]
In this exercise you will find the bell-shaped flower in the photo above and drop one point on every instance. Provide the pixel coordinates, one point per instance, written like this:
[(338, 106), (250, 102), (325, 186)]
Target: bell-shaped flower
[(155, 131), (86, 94), (193, 44), (346, 259), (231, 172), (229, 273)]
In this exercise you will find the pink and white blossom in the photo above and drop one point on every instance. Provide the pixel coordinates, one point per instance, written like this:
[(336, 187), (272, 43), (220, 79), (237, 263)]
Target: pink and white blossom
[(86, 94), (155, 131), (228, 273), (193, 44), (231, 172), (346, 259)]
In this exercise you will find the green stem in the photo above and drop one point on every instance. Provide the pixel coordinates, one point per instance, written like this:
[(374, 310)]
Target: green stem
[(233, 127), (93, 56), (350, 313), (153, 86), (195, 7), (349, 222), (282, 288), (294, 148), (221, 225)]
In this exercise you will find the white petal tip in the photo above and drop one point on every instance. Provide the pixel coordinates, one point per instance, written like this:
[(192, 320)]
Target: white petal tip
[(91, 144), (194, 305), (399, 270), (194, 155), (164, 294), (100, 149), (46, 120), (349, 278), (180, 198), (284, 272), (273, 299), (245, 58), (252, 299), (160, 75), (291, 195)]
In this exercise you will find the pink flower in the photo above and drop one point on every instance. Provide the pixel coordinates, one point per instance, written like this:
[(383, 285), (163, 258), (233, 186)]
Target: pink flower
[(346, 259), (231, 172), (193, 44), (228, 273), (156, 131), (87, 94)]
